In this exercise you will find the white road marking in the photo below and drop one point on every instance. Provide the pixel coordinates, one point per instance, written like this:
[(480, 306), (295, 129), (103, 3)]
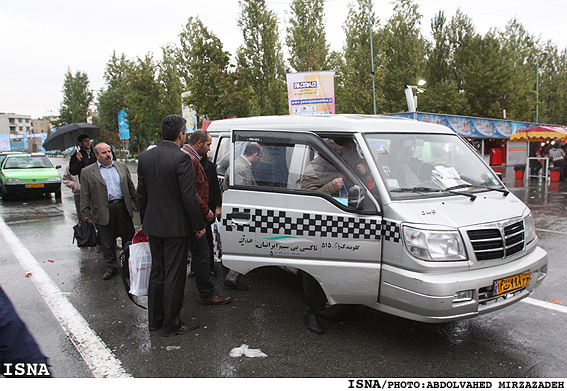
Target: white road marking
[(94, 351), (551, 231), (545, 304)]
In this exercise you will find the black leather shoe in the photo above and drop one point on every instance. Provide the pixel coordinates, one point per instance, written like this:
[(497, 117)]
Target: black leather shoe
[(109, 275), (213, 273), (312, 323), (235, 285), (154, 328), (216, 299), (182, 330)]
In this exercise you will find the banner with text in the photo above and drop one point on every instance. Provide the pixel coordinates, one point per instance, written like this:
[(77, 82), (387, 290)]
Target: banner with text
[(310, 93)]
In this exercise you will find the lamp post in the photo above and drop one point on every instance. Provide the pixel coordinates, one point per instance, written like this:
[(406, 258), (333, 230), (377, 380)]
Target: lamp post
[(537, 86), (411, 97), (372, 60)]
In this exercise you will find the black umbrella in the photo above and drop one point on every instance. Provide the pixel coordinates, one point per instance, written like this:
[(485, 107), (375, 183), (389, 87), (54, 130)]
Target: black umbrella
[(67, 136)]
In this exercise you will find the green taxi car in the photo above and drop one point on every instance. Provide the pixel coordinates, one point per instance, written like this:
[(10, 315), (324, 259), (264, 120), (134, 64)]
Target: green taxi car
[(28, 173)]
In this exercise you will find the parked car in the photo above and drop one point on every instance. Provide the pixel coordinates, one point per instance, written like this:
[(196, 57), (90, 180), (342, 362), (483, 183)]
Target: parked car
[(28, 173), (421, 227)]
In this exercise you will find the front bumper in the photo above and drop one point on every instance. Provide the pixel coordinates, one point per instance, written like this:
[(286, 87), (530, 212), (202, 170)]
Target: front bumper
[(21, 188), (430, 297)]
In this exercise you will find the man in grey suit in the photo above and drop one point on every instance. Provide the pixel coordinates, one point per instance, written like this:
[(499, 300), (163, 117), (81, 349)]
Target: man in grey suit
[(109, 196), (242, 176), (171, 216), (243, 166)]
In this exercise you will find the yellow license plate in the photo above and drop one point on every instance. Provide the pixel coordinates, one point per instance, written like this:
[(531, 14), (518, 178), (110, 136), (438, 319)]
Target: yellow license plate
[(511, 283), (34, 185)]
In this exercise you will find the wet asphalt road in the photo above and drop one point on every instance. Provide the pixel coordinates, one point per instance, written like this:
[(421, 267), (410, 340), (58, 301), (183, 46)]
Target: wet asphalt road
[(524, 340)]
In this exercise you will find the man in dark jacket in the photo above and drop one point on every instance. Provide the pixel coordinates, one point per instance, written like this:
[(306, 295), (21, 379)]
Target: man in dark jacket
[(85, 156), (171, 216), (199, 145)]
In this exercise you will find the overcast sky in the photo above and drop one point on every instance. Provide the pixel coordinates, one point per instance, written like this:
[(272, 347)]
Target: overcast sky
[(41, 39)]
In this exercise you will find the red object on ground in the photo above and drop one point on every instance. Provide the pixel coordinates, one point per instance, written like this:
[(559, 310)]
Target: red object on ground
[(554, 176), (519, 175)]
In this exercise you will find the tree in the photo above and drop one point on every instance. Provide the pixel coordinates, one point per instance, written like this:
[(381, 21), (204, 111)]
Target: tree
[(260, 59), (169, 81), (353, 88), (77, 98), (143, 102), (403, 50), (112, 99), (306, 39), (205, 69)]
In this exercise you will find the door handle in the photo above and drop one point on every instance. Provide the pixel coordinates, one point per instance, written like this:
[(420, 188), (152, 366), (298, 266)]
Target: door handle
[(239, 215)]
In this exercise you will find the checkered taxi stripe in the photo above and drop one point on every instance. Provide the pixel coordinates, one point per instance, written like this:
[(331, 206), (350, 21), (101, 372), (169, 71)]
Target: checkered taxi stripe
[(278, 222)]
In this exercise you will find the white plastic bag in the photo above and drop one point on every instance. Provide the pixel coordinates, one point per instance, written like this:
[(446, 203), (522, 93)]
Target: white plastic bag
[(246, 351), (140, 265)]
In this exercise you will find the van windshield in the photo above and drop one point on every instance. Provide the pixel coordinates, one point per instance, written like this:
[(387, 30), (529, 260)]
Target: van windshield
[(422, 165)]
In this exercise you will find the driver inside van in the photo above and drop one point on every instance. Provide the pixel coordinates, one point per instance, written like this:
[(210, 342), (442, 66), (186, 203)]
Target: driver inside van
[(321, 175)]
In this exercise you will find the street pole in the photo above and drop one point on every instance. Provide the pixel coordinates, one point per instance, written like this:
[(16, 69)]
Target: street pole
[(372, 60), (537, 87)]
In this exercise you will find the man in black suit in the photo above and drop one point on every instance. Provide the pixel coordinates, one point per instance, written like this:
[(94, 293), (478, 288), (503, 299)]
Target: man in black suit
[(171, 216)]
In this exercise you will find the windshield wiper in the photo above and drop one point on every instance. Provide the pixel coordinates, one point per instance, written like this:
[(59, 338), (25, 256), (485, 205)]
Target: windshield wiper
[(501, 190), (416, 189)]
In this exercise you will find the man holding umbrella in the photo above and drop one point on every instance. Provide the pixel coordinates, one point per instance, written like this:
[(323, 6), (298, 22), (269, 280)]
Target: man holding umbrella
[(84, 157)]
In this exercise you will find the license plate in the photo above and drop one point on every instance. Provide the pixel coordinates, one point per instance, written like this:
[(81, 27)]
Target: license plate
[(34, 185), (511, 283)]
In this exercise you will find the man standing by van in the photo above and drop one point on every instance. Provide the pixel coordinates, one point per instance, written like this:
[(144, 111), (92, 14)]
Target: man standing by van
[(199, 145), (242, 176)]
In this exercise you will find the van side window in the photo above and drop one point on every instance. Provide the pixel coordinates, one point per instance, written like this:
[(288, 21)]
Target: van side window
[(223, 155)]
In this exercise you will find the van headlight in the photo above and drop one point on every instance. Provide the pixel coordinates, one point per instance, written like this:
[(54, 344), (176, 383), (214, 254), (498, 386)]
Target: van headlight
[(13, 180), (54, 179), (434, 245), (529, 228)]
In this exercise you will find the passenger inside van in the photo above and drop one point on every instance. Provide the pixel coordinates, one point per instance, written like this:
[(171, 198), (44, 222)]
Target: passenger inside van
[(320, 175)]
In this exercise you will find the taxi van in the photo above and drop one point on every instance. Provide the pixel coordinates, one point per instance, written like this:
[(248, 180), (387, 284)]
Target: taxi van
[(418, 226)]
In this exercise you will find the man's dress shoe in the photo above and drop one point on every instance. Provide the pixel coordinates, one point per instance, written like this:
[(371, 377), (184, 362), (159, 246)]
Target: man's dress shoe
[(182, 330), (312, 323), (216, 299)]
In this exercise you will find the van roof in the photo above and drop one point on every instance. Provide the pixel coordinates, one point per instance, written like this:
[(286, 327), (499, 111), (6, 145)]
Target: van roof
[(332, 122)]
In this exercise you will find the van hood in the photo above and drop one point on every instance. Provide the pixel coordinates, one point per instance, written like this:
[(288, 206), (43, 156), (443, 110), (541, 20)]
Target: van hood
[(460, 211)]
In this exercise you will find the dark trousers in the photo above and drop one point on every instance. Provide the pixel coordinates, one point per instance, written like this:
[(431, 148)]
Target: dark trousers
[(119, 225), (200, 265), (316, 299), (209, 236), (167, 282)]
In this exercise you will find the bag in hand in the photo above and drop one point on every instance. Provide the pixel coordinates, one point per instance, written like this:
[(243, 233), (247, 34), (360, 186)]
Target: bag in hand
[(85, 234), (139, 264)]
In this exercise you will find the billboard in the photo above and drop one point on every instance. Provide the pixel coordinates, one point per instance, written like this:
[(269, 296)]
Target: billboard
[(310, 93)]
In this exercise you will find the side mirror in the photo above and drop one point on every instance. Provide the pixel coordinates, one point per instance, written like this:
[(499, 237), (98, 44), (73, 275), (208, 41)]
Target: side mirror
[(355, 196), (499, 175), (58, 166)]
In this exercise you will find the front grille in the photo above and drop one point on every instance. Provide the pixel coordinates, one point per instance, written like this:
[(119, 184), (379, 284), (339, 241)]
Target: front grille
[(497, 242)]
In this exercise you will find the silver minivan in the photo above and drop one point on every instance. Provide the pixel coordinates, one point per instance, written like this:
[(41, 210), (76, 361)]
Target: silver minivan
[(420, 227)]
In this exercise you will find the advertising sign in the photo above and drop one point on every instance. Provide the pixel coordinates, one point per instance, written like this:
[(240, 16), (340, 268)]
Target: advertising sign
[(189, 114), (123, 129), (310, 93)]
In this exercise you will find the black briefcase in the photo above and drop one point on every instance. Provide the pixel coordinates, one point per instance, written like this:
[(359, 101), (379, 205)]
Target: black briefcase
[(85, 234)]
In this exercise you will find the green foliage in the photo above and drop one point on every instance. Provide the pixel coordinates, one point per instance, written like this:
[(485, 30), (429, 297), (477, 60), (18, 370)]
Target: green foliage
[(77, 98), (466, 73), (306, 36), (403, 50), (260, 59), (353, 89)]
